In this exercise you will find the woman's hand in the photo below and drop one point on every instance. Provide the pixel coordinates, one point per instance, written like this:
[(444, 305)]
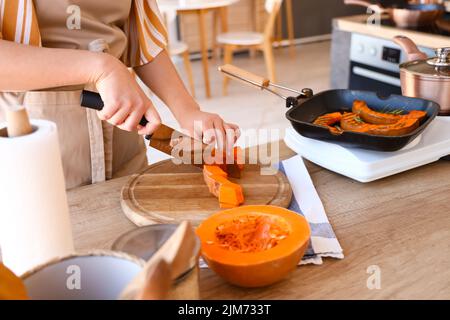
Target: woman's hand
[(162, 78), (210, 128), (124, 101)]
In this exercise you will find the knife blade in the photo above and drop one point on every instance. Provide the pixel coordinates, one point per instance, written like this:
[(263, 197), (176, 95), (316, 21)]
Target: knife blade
[(168, 140)]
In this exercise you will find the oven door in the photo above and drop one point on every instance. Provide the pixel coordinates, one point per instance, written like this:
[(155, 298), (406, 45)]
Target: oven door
[(364, 77)]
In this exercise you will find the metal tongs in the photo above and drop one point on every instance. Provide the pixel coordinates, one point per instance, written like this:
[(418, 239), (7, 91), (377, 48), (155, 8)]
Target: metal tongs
[(265, 84)]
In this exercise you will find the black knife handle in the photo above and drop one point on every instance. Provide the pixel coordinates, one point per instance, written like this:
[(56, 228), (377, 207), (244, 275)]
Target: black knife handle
[(92, 100)]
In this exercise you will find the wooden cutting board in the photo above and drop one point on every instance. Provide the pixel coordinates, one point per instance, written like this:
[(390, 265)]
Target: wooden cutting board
[(169, 193)]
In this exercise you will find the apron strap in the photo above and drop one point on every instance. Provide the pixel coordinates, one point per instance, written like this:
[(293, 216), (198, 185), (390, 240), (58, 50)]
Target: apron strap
[(101, 148)]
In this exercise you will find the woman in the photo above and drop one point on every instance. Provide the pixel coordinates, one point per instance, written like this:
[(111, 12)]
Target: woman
[(45, 44)]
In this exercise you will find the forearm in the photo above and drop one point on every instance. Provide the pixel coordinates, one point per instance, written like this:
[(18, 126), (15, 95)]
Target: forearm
[(162, 78), (25, 67)]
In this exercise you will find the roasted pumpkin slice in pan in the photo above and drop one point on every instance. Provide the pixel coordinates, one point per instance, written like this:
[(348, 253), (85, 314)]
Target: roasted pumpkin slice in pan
[(329, 121), (254, 246), (352, 122), (373, 117), (400, 128)]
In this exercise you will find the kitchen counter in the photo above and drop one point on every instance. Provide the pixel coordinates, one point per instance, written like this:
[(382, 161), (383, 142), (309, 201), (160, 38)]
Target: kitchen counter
[(400, 224), (358, 24), (345, 27)]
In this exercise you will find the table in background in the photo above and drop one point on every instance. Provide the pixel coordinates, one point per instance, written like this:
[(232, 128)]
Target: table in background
[(200, 8)]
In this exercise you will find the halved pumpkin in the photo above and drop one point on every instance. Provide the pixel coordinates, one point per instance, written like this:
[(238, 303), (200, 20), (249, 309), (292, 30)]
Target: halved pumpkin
[(254, 246)]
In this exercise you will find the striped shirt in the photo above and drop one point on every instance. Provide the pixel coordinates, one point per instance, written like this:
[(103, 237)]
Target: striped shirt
[(145, 31)]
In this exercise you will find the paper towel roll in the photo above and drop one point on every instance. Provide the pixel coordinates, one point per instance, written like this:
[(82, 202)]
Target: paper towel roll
[(34, 214)]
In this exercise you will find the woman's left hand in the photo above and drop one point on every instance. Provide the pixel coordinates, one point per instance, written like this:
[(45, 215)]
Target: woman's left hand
[(162, 78), (210, 128)]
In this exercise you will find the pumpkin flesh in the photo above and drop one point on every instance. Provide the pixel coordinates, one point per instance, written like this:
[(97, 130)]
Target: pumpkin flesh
[(254, 246)]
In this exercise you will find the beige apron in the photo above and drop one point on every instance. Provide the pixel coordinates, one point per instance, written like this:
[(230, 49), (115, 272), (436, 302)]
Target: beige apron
[(91, 150)]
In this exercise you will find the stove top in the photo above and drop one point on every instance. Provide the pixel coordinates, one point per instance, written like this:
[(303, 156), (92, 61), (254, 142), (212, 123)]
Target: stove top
[(433, 29)]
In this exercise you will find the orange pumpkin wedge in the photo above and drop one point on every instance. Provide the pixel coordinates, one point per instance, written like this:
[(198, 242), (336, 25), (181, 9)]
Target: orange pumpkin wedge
[(230, 194), (213, 170), (254, 246), (11, 286), (232, 169)]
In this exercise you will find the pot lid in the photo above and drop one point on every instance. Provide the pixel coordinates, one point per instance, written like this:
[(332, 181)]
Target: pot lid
[(437, 67)]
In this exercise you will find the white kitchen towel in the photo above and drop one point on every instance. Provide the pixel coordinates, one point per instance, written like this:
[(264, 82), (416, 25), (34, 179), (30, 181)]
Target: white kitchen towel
[(307, 202)]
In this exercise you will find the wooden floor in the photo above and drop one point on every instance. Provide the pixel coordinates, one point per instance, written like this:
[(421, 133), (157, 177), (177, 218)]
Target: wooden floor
[(249, 107)]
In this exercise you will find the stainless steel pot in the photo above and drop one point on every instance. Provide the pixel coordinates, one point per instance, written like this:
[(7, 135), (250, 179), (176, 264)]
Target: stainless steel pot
[(426, 78)]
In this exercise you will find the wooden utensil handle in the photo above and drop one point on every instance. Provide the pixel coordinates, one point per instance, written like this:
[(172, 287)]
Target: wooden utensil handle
[(18, 123), (244, 76), (93, 100)]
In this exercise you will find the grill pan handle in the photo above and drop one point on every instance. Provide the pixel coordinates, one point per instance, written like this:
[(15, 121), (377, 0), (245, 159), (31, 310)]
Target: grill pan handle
[(245, 76)]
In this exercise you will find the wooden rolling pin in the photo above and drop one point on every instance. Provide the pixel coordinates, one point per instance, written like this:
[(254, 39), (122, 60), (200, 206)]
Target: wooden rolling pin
[(18, 123)]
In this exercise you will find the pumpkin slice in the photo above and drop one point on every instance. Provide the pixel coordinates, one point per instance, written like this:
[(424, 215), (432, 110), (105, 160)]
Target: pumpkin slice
[(374, 117), (230, 194), (352, 122), (254, 246), (329, 121), (214, 170), (232, 169)]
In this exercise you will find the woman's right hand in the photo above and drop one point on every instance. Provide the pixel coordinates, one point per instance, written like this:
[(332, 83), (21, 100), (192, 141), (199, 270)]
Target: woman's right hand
[(124, 101)]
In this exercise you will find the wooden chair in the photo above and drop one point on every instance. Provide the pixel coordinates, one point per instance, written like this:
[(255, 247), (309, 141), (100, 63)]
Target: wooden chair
[(289, 26), (232, 41)]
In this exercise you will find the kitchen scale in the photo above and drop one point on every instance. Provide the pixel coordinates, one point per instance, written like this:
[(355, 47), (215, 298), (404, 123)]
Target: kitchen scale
[(366, 165)]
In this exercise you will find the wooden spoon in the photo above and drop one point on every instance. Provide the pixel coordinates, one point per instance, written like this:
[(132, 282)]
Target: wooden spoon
[(176, 252)]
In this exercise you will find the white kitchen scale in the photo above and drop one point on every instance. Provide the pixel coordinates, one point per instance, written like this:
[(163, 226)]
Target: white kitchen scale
[(366, 165)]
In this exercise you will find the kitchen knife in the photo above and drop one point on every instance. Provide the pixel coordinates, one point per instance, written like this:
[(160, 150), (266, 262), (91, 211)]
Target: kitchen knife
[(167, 139)]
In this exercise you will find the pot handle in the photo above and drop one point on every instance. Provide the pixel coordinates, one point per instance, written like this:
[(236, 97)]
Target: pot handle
[(410, 48), (375, 7)]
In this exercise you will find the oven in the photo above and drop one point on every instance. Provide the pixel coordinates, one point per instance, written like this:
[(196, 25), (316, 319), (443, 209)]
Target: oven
[(374, 64)]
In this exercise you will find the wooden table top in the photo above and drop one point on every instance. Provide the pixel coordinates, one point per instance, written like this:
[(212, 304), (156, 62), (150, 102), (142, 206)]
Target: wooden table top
[(359, 24), (400, 224)]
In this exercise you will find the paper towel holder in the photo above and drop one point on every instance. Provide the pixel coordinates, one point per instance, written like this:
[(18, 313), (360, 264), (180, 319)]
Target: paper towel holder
[(17, 124)]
